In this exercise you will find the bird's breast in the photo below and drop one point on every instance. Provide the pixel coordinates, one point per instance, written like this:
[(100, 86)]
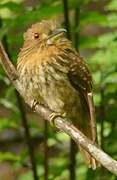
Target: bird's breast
[(48, 85)]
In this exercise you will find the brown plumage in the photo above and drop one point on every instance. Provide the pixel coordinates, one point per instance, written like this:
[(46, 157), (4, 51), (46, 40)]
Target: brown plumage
[(53, 74)]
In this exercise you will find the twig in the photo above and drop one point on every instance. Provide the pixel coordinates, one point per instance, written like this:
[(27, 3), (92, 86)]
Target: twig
[(76, 26), (66, 17), (45, 150), (60, 123), (28, 137), (73, 149), (102, 115)]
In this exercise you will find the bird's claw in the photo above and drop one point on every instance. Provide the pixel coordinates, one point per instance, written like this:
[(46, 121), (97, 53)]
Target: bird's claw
[(53, 116), (33, 105)]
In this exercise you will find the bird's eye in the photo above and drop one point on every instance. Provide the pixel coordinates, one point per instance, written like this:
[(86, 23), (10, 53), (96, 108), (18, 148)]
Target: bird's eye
[(36, 35)]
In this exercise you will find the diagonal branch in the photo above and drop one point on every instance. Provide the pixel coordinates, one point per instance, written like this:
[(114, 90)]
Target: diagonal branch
[(60, 123)]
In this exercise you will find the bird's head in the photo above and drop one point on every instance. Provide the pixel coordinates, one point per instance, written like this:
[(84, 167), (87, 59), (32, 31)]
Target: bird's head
[(45, 33)]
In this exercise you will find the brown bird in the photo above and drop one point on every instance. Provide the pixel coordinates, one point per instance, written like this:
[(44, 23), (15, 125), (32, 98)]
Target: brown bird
[(53, 74)]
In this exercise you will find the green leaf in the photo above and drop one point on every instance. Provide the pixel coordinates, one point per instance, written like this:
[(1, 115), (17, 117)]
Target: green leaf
[(112, 5), (88, 42), (111, 78), (27, 175), (106, 59), (7, 123), (6, 1), (7, 156), (93, 17), (12, 6), (8, 104), (112, 20), (107, 40)]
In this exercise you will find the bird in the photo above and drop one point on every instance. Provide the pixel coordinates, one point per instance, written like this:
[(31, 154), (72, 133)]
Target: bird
[(53, 74)]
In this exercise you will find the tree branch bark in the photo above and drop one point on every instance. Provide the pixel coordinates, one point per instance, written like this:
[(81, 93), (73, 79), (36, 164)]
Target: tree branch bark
[(73, 148), (60, 123)]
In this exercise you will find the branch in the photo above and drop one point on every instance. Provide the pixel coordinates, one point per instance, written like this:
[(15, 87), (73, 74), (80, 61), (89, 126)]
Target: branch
[(46, 151), (66, 17), (28, 137), (73, 148), (60, 123)]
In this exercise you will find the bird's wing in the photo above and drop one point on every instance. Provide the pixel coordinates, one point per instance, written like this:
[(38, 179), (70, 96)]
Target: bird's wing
[(81, 80)]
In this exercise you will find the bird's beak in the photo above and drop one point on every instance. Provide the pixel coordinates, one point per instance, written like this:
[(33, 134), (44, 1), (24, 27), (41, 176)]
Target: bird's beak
[(56, 33)]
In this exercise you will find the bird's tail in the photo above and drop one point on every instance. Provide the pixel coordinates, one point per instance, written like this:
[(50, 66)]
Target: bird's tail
[(89, 160), (91, 132), (87, 126)]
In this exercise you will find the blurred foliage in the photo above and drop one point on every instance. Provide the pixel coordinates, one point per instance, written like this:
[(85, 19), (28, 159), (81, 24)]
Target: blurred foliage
[(15, 17)]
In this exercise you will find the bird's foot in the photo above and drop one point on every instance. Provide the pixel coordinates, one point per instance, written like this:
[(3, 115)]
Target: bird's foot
[(54, 115), (33, 105)]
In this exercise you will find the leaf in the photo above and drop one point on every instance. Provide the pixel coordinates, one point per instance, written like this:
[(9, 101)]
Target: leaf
[(12, 6), (27, 175), (112, 20), (106, 59), (112, 5), (8, 104), (7, 156), (7, 123), (107, 40), (88, 42), (93, 17), (15, 1), (111, 78)]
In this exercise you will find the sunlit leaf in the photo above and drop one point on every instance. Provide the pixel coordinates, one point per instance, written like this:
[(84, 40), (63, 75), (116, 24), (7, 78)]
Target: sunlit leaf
[(112, 5), (9, 157)]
